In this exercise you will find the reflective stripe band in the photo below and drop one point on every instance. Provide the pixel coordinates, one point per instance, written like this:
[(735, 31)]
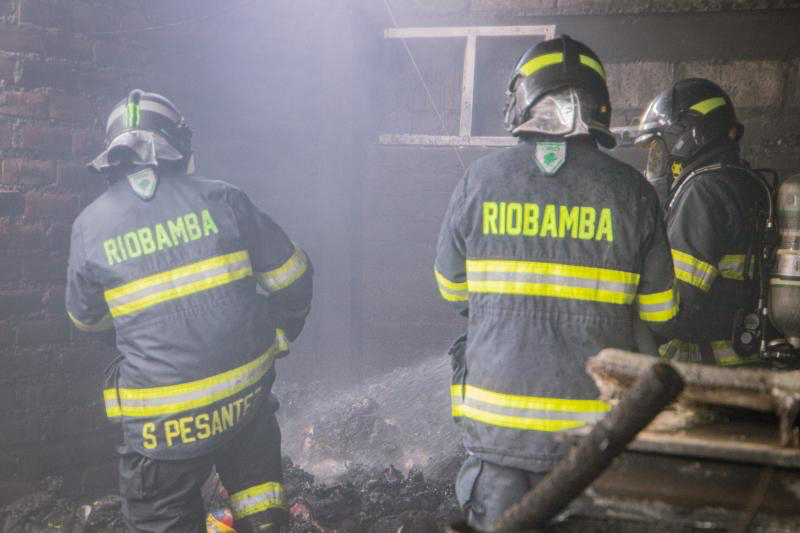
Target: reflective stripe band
[(732, 266), (524, 412), (725, 355), (144, 105), (540, 62), (723, 352), (173, 399), (552, 280), (286, 274), (104, 324), (593, 64), (177, 283), (257, 499), (450, 290), (707, 106), (659, 306), (693, 271), (546, 60)]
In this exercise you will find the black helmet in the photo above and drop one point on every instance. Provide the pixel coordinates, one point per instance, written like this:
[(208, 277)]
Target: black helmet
[(554, 65), (689, 116), (145, 129)]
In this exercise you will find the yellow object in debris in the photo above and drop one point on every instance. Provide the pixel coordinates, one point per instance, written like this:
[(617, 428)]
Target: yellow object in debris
[(215, 526)]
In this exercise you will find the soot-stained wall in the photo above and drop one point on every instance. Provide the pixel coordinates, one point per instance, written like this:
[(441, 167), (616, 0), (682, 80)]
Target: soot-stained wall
[(287, 101)]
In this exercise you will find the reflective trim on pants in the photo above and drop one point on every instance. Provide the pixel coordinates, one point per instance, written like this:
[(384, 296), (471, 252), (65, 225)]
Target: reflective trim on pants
[(257, 500)]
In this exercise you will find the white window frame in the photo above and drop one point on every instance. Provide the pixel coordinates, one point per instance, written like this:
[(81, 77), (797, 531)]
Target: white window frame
[(471, 33)]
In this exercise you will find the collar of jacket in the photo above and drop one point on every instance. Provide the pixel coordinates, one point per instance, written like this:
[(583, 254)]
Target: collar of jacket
[(726, 153), (533, 138)]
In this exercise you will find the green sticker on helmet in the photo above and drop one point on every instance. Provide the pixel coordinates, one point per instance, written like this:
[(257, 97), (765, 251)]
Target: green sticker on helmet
[(550, 156)]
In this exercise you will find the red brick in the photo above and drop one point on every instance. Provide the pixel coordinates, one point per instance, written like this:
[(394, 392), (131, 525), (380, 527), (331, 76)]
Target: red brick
[(71, 108), (114, 54), (21, 236), (34, 333), (19, 104), (99, 83), (68, 47), (45, 139), (87, 142), (36, 73), (19, 303), (8, 67), (28, 172), (54, 300), (45, 14), (24, 40), (75, 176), (49, 205), (6, 135), (10, 270), (93, 18), (58, 237), (12, 203), (44, 269)]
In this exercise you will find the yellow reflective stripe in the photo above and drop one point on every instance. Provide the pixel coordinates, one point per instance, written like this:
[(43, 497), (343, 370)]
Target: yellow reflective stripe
[(180, 292), (515, 422), (659, 306), (544, 289), (452, 285), (450, 290), (593, 64), (725, 354), (693, 271), (732, 266), (258, 368), (706, 106), (286, 274), (529, 402), (257, 499), (540, 62), (175, 274), (104, 324), (552, 269)]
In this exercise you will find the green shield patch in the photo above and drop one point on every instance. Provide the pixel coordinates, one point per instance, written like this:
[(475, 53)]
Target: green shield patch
[(550, 156), (144, 183)]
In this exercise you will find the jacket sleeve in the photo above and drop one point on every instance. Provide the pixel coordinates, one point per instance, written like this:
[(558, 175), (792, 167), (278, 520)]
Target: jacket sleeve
[(697, 227), (450, 266), (657, 299), (281, 267), (85, 303)]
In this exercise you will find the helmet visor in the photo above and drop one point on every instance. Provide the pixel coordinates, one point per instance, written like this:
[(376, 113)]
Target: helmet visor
[(137, 147)]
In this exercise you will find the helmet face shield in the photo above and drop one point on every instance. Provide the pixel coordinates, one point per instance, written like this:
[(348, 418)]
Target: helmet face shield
[(566, 112), (657, 171), (137, 147)]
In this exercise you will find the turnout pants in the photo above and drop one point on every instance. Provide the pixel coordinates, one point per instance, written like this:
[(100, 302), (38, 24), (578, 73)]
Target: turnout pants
[(164, 496), (485, 490)]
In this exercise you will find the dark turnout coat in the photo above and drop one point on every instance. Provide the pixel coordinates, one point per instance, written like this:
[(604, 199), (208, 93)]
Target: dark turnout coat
[(176, 277), (550, 270)]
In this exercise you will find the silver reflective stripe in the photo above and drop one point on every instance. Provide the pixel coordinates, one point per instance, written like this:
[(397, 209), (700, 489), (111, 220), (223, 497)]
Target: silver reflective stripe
[(685, 352), (286, 274), (587, 417), (178, 282), (732, 266), (257, 499), (548, 279)]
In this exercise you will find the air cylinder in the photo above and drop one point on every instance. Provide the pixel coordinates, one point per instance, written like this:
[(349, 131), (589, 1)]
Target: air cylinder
[(784, 284)]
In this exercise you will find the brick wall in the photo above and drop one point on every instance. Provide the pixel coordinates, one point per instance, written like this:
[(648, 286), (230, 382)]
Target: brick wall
[(60, 70)]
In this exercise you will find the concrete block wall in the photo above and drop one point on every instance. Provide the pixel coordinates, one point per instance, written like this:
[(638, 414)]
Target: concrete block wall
[(61, 69), (749, 48)]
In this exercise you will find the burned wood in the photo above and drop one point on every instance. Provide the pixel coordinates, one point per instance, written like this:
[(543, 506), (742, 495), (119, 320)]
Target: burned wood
[(763, 390)]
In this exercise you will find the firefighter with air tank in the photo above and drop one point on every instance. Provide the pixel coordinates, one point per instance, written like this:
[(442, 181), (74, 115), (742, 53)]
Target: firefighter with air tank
[(550, 248), (166, 266)]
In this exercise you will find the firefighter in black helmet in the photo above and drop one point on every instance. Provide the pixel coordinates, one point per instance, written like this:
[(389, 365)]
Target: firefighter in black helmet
[(711, 205), (550, 248), (169, 263)]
